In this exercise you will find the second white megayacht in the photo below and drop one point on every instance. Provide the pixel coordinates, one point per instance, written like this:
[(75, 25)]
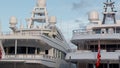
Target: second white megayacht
[(105, 33), (40, 45)]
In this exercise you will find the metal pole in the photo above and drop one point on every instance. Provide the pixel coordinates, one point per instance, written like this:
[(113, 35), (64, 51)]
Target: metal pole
[(119, 61), (15, 47), (26, 50), (36, 51), (0, 27), (108, 64), (14, 64), (77, 65), (70, 62), (7, 50), (93, 65)]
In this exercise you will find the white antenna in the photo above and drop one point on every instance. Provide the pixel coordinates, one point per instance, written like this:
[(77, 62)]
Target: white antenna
[(21, 25)]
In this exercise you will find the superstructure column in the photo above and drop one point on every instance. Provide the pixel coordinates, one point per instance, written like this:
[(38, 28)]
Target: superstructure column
[(93, 65), (77, 65), (36, 51), (108, 64), (7, 50), (15, 46), (119, 61), (26, 50)]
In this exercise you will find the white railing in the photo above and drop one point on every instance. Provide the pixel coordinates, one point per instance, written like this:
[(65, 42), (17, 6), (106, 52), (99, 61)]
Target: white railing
[(20, 33), (84, 32), (29, 56)]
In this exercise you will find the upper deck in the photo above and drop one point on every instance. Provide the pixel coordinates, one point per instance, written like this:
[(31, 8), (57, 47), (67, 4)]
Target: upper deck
[(97, 31)]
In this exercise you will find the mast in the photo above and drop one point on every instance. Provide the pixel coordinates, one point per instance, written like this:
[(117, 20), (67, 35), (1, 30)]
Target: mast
[(109, 11), (0, 27), (39, 14)]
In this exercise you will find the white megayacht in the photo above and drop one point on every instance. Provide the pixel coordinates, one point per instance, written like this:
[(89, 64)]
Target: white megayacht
[(39, 45), (107, 32)]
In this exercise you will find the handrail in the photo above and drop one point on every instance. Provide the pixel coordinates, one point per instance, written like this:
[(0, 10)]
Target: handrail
[(84, 31), (20, 33), (41, 56)]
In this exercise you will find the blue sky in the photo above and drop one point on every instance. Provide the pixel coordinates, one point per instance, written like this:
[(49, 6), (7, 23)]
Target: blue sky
[(71, 14)]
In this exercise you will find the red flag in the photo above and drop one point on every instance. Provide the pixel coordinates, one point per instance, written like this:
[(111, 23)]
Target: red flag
[(98, 56), (0, 53)]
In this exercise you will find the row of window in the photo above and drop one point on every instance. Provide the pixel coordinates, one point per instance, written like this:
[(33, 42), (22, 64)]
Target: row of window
[(32, 50), (94, 48), (108, 48), (105, 65), (22, 50), (107, 30)]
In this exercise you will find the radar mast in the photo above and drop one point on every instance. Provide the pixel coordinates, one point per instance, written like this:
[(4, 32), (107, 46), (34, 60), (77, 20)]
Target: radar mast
[(109, 11), (39, 14)]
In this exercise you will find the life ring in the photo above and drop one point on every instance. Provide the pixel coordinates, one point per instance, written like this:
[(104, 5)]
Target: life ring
[(0, 53)]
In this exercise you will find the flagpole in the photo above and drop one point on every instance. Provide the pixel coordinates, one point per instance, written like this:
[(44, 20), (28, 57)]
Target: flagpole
[(98, 55), (0, 27)]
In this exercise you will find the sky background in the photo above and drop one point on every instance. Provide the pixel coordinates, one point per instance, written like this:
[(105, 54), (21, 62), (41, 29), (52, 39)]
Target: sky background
[(71, 14)]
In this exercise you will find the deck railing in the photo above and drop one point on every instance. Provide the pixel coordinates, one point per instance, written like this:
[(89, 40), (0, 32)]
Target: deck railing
[(84, 32), (21, 56), (20, 33)]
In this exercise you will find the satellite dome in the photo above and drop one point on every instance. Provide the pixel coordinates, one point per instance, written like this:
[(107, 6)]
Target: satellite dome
[(41, 3), (52, 20), (93, 16), (13, 20)]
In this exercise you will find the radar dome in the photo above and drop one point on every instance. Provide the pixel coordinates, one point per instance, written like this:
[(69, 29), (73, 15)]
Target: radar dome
[(93, 16), (13, 20), (41, 3), (52, 20)]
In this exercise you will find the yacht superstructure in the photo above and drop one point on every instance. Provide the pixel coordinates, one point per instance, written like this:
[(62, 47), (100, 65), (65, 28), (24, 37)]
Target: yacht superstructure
[(39, 45), (105, 33)]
